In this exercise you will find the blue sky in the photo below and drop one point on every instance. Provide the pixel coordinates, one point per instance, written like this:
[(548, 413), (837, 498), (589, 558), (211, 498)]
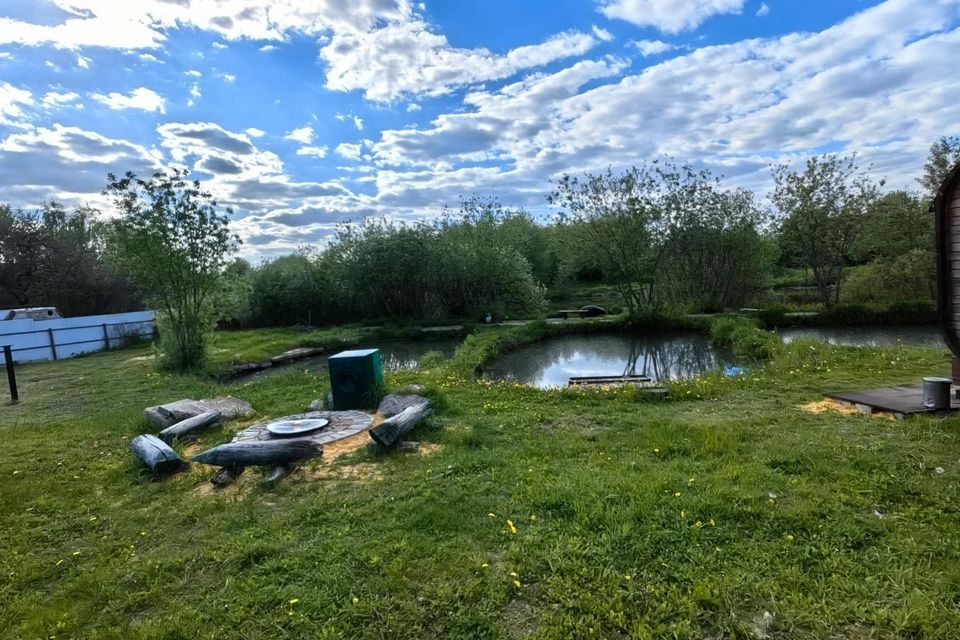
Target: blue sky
[(302, 114)]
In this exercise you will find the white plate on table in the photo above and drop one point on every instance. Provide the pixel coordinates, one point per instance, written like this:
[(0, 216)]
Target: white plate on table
[(289, 428)]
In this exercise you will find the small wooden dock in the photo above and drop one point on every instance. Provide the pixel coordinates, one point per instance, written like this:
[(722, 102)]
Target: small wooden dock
[(605, 380), (903, 401)]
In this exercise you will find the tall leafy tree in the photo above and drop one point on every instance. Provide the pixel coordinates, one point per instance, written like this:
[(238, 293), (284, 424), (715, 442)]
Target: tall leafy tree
[(943, 156), (617, 219), (174, 240), (822, 211), (22, 251)]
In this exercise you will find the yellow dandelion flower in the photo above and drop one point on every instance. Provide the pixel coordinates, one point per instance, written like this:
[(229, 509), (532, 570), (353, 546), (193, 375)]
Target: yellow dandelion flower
[(514, 574), (356, 599), (656, 450), (533, 517), (789, 537), (484, 565), (293, 601), (491, 515), (677, 494), (516, 583)]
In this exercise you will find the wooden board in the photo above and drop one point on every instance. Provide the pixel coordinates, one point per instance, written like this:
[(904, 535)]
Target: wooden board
[(907, 400), (607, 380)]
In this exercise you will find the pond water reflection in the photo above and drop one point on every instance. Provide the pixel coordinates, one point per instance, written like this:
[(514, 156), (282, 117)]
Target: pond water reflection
[(552, 362)]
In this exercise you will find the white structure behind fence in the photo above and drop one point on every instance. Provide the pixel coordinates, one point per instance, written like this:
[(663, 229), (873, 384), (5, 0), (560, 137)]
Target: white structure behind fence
[(65, 337)]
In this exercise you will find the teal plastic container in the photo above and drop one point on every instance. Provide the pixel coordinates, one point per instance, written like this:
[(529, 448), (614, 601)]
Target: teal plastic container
[(356, 379)]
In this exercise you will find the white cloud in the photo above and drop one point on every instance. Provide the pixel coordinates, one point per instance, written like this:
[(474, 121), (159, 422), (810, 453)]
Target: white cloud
[(253, 132), (219, 45), (66, 163), (83, 62), (11, 101), (349, 117), (601, 33), (348, 150), (140, 98), (149, 57), (195, 94), (412, 107), (229, 78), (649, 48), (318, 152), (763, 10), (669, 16), (6, 55), (303, 135), (268, 47), (408, 59), (138, 24), (871, 83), (193, 73), (53, 99)]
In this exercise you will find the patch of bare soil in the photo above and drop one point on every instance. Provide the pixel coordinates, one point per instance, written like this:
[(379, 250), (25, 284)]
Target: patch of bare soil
[(829, 405), (428, 448), (519, 620)]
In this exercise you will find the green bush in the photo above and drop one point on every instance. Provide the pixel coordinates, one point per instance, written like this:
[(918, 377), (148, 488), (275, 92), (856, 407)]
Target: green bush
[(910, 277), (744, 338)]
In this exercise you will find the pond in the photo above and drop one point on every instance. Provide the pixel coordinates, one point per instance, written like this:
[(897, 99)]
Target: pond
[(552, 362), (396, 355), (908, 336)]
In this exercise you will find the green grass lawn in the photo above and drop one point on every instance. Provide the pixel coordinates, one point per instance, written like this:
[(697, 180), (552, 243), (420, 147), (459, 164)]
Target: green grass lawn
[(723, 512)]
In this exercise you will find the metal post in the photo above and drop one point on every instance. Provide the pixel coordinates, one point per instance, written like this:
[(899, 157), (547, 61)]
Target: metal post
[(11, 374), (53, 344)]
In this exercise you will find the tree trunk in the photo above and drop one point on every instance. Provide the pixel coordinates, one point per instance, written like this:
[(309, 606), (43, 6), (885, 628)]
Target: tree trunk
[(190, 425), (389, 432), (268, 452), (156, 454)]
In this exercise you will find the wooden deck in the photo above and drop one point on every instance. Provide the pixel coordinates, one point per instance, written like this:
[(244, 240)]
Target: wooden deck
[(608, 380), (902, 401)]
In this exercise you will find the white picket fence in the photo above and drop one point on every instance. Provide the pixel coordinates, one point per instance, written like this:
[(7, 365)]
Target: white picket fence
[(65, 337)]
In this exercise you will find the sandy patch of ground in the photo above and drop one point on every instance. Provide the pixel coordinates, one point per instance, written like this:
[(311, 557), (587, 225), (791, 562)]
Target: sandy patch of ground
[(829, 405)]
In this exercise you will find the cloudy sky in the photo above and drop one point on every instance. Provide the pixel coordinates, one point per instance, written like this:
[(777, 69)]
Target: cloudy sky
[(303, 113)]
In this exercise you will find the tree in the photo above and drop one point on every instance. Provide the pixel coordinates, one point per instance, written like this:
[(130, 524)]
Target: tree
[(22, 249), (822, 210), (174, 241), (943, 156), (55, 257), (899, 222), (716, 257), (616, 217)]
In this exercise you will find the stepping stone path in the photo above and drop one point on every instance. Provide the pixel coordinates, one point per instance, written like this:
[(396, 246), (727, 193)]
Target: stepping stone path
[(171, 413), (343, 424)]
